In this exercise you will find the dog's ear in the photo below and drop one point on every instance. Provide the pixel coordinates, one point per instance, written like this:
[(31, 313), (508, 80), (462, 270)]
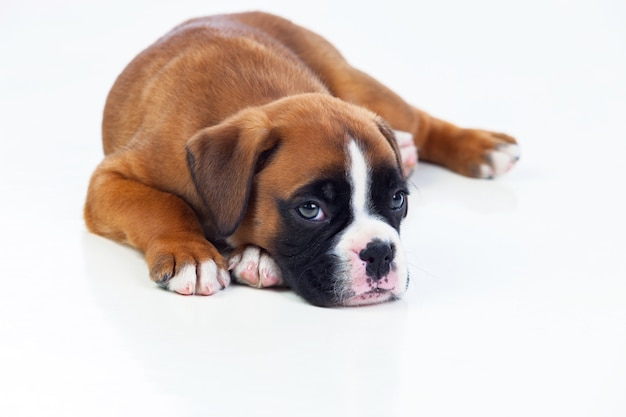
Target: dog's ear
[(223, 159)]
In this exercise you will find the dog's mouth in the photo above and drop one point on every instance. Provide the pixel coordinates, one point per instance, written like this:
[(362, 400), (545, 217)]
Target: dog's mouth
[(374, 296)]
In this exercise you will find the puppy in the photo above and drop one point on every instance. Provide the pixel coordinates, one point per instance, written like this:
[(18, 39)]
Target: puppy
[(244, 146)]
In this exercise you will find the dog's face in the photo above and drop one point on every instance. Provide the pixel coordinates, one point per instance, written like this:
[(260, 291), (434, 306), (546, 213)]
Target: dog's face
[(318, 184)]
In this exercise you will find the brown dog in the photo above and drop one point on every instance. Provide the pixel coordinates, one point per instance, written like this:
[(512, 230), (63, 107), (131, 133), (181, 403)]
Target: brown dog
[(246, 145)]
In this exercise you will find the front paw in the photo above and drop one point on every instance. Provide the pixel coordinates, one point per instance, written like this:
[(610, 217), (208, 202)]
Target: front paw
[(254, 267), (408, 151), (484, 154), (187, 266)]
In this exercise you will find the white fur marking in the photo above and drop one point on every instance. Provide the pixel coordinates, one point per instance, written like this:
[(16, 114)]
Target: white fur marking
[(359, 177), (403, 138), (211, 279), (254, 267), (511, 149), (408, 151), (364, 229), (501, 160), (185, 281), (486, 171)]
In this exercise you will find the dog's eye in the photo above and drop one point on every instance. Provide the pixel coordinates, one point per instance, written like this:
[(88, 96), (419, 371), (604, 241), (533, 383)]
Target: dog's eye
[(311, 211), (397, 201)]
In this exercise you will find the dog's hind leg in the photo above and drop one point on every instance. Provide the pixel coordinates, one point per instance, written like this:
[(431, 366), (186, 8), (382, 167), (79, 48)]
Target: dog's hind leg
[(471, 152)]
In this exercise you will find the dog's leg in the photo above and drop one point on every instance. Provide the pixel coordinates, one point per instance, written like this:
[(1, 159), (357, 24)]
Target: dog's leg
[(254, 267), (471, 152), (162, 226)]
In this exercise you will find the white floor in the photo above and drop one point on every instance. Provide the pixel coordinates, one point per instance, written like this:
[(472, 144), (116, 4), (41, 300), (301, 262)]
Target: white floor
[(517, 305)]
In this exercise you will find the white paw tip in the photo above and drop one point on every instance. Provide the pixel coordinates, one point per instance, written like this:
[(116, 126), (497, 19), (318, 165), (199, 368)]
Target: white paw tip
[(486, 171), (234, 261), (184, 282), (205, 279), (511, 149), (269, 271), (501, 161), (255, 268), (403, 138), (224, 277)]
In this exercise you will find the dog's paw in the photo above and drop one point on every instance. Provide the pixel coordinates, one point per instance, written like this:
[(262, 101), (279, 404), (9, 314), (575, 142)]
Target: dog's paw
[(499, 160), (202, 279), (254, 267), (408, 151), (484, 154), (188, 267)]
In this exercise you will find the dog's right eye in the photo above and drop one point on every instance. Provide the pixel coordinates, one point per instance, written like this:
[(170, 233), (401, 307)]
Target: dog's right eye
[(397, 201), (311, 211)]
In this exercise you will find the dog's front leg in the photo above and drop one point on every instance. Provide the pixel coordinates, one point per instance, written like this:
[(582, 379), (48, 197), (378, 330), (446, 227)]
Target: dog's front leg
[(159, 224)]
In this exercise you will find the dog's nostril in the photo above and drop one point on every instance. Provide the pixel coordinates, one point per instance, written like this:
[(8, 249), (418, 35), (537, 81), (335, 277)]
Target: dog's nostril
[(378, 255)]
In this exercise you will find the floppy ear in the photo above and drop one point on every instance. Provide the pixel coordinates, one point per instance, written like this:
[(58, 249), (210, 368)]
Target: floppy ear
[(223, 159)]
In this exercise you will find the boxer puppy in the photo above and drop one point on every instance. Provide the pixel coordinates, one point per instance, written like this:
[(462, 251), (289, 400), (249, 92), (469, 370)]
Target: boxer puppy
[(245, 146)]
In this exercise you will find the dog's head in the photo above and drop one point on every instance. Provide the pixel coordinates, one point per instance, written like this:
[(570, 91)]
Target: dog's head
[(318, 184)]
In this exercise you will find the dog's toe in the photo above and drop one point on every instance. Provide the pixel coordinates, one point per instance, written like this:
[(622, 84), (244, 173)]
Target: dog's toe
[(499, 161), (184, 282), (481, 154), (254, 267), (194, 267), (211, 279), (203, 279)]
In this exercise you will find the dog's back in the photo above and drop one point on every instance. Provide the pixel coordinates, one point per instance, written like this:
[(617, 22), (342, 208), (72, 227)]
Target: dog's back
[(203, 70)]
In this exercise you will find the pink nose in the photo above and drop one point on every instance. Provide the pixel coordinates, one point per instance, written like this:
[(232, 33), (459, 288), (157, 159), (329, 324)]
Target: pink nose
[(378, 256)]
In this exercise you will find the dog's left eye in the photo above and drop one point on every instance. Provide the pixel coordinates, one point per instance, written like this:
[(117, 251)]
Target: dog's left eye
[(397, 201), (311, 211)]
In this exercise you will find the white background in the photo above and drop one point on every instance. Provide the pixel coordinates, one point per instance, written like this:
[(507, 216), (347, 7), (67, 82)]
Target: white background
[(517, 305)]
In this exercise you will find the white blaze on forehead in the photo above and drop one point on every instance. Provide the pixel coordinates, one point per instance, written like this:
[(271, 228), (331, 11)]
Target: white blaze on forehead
[(359, 178)]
